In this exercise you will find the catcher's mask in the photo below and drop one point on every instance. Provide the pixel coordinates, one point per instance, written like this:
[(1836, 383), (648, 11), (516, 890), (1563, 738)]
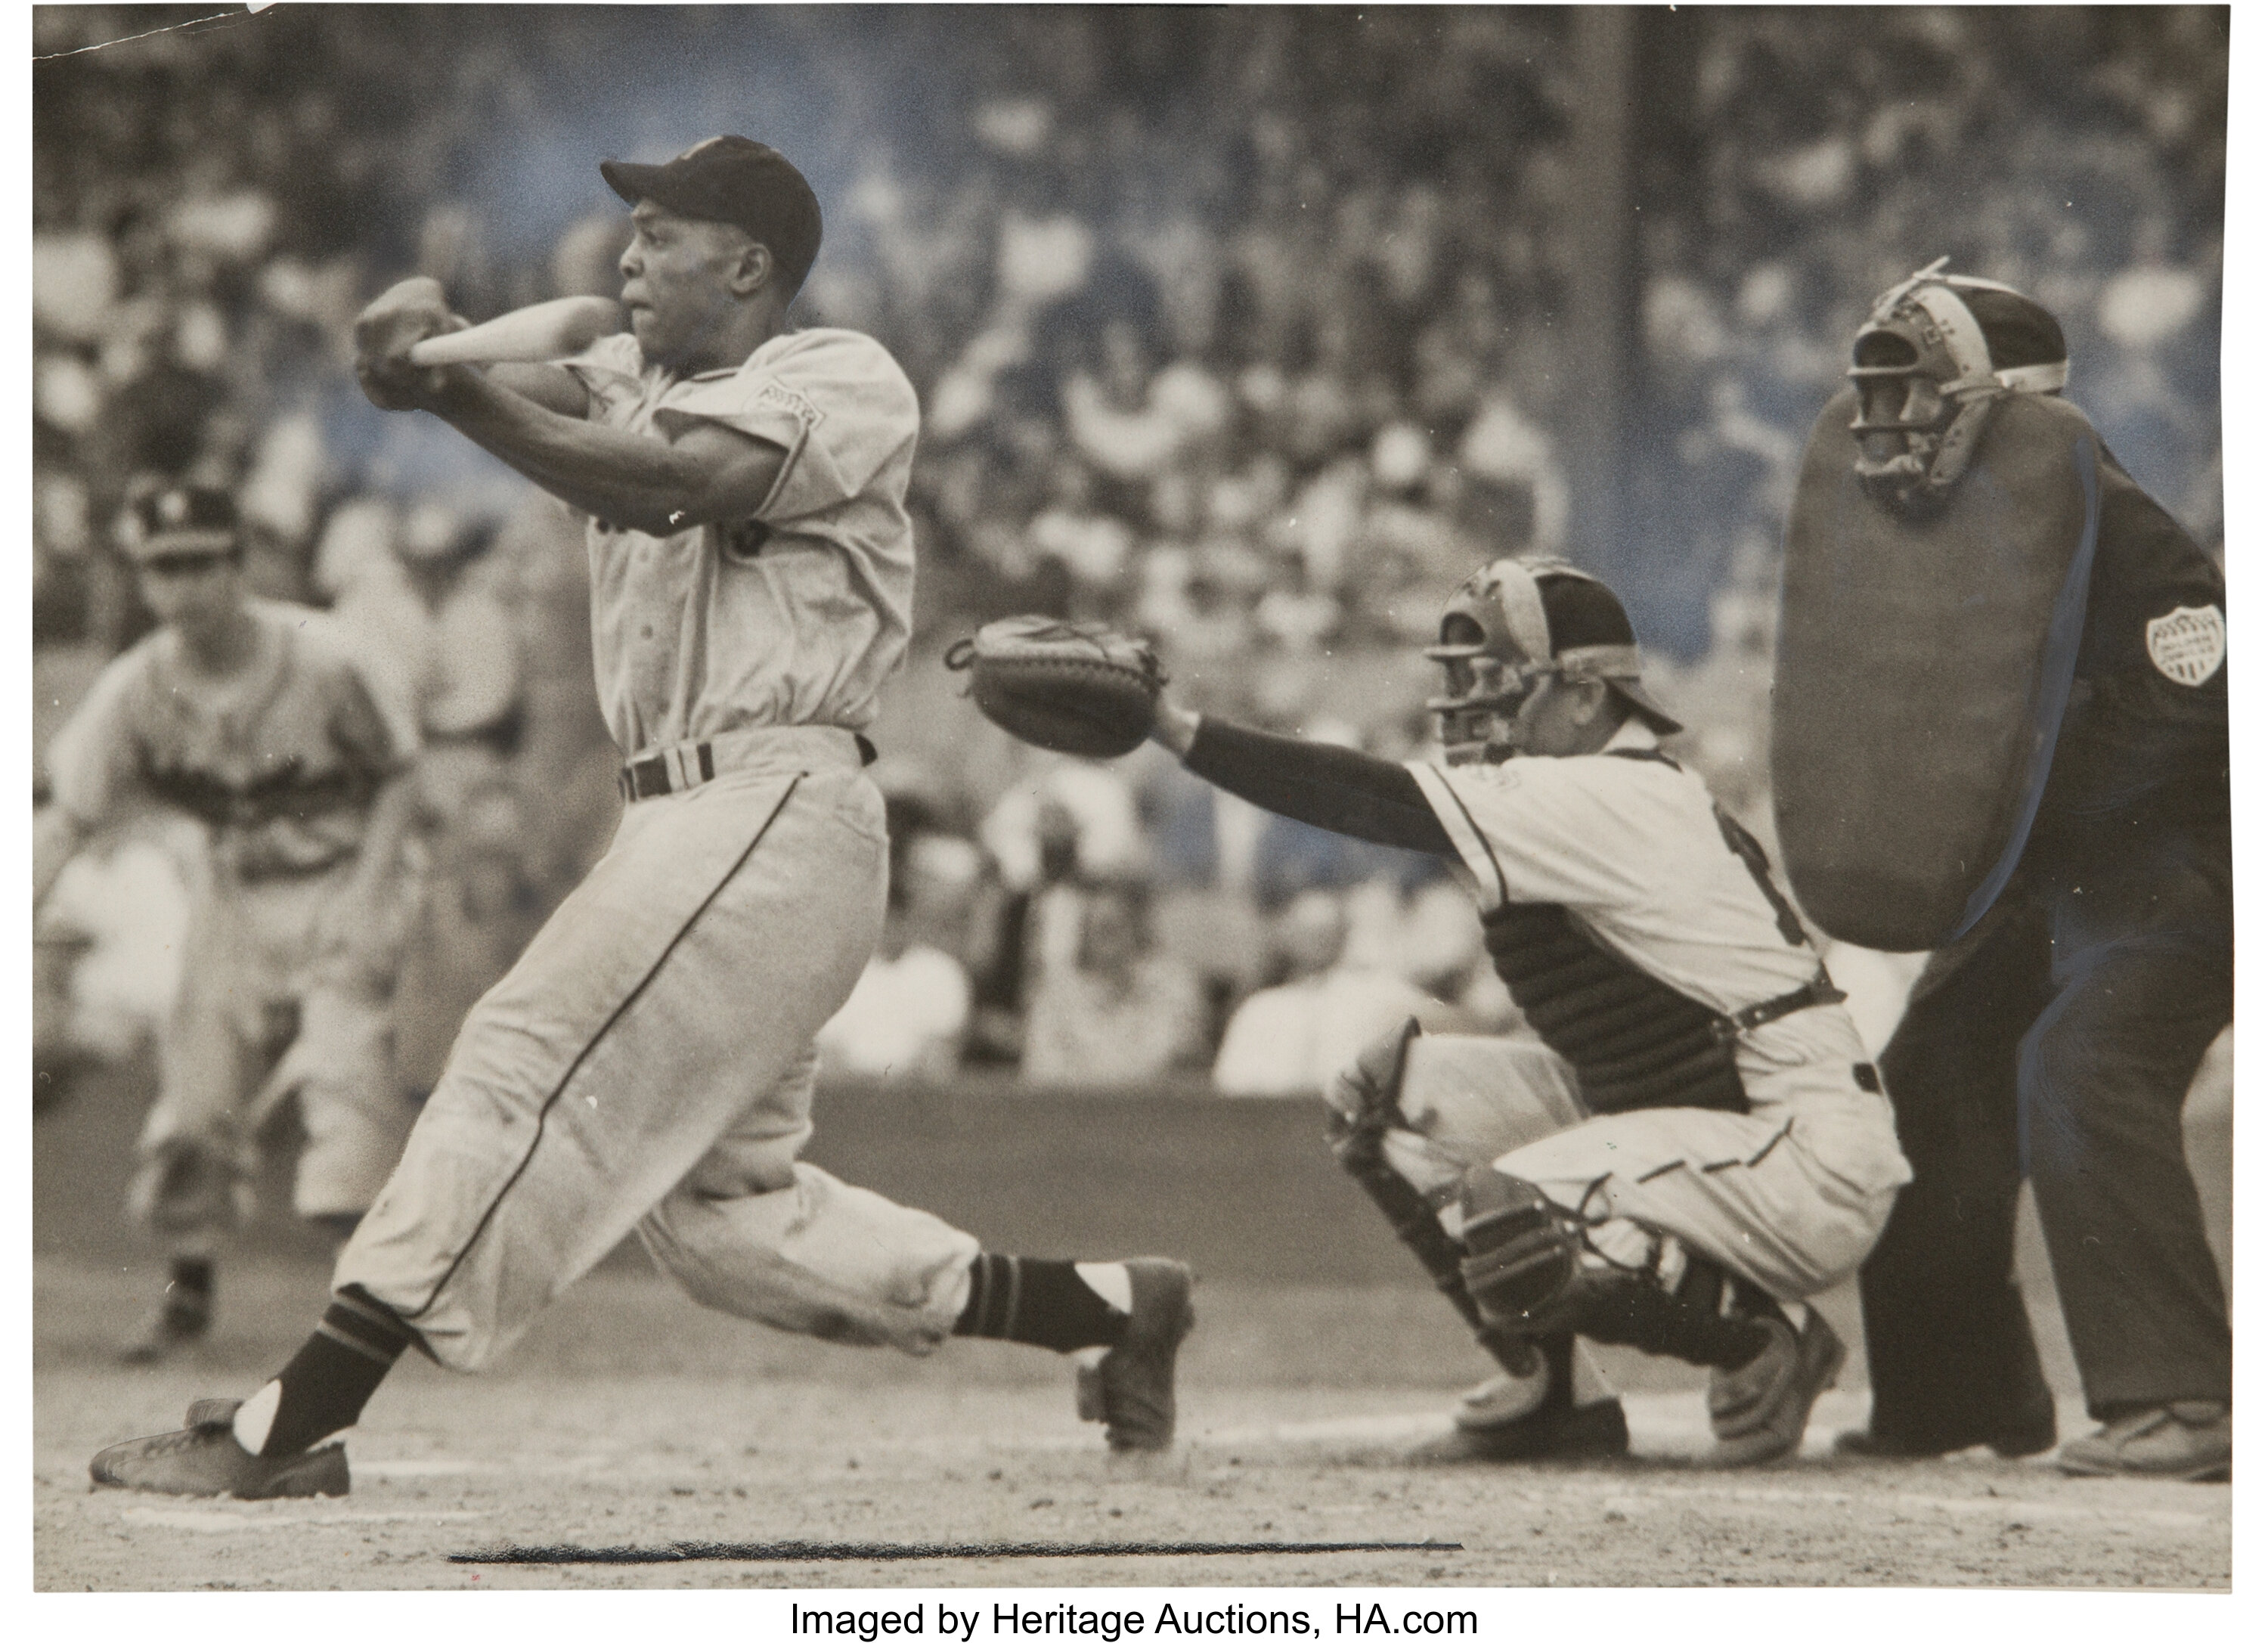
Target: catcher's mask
[(1937, 352), (1514, 624)]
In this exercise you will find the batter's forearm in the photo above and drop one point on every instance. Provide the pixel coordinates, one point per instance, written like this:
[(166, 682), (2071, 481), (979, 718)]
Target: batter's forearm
[(628, 480), (1338, 789)]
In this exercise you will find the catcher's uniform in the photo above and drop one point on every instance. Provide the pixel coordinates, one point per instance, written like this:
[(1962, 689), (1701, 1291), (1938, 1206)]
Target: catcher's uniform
[(282, 765), (1791, 1193), (648, 1062)]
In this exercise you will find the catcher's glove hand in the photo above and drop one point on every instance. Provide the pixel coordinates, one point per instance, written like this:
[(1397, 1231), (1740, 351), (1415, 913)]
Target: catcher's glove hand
[(1070, 686)]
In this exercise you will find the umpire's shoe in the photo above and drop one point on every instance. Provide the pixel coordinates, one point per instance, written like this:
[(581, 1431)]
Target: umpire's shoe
[(1759, 1411), (2189, 1441), (1131, 1390), (206, 1459), (2032, 1432)]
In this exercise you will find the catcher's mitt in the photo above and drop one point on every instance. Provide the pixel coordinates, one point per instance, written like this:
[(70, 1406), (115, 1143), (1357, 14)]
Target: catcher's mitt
[(1070, 686)]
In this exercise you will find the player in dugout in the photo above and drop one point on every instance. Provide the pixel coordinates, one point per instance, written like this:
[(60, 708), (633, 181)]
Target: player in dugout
[(259, 719), (1687, 1138)]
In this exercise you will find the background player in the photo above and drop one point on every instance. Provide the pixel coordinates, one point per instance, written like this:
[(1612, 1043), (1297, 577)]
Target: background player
[(648, 1062), (257, 718), (1744, 1155)]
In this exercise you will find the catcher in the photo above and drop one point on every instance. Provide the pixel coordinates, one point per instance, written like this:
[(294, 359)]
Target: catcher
[(1687, 1140)]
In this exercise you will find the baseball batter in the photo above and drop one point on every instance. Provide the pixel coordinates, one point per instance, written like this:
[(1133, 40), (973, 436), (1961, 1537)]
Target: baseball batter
[(1689, 1140), (259, 719), (647, 1064)]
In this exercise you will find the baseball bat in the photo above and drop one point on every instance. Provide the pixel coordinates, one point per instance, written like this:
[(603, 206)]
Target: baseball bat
[(541, 331)]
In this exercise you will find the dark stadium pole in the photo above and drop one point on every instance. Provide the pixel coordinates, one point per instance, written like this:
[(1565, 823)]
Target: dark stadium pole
[(1598, 309)]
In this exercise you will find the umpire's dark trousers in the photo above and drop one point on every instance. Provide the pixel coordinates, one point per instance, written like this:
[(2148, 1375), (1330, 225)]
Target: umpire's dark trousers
[(2058, 1037)]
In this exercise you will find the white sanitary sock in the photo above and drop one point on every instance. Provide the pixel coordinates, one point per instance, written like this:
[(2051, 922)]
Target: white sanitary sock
[(1109, 1279), (257, 1415)]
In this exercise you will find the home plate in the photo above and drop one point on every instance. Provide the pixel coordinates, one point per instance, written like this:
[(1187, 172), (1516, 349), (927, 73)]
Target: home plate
[(218, 1520), (440, 1466), (1336, 1429), (458, 1466)]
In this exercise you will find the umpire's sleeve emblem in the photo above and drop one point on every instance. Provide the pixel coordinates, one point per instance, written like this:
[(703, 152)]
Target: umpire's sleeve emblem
[(2188, 644)]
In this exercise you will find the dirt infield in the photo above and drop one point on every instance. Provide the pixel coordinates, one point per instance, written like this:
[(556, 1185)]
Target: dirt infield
[(631, 1419)]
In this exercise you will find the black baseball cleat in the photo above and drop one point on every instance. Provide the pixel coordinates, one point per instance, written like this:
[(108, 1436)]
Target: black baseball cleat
[(1551, 1426), (1131, 1390), (1557, 1432), (206, 1459)]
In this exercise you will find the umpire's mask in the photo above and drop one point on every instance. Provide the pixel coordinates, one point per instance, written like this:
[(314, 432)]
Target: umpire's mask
[(1938, 351)]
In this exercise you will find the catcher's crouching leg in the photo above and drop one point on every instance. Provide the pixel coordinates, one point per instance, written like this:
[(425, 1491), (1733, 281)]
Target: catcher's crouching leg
[(1530, 1413), (1527, 1271), (1359, 1143)]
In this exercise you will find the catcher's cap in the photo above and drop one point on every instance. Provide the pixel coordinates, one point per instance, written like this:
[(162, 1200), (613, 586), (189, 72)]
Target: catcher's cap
[(1985, 329), (1542, 614), (733, 180), (180, 522)]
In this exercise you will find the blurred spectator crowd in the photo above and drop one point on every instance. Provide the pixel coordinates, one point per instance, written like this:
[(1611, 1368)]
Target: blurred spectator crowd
[(1242, 328)]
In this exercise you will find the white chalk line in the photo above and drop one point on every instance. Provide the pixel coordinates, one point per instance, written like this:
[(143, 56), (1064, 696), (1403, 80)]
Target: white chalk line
[(456, 1466), (256, 1515), (1664, 1425)]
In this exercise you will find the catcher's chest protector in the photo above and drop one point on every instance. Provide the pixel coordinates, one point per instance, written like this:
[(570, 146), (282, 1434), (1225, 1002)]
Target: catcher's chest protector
[(1634, 1041), (1925, 662)]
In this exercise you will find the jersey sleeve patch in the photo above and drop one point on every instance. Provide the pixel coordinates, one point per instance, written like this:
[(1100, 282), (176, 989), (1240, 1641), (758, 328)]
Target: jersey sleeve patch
[(2188, 644)]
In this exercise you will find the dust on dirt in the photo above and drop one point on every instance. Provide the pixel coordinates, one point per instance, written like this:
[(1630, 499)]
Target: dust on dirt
[(631, 1419)]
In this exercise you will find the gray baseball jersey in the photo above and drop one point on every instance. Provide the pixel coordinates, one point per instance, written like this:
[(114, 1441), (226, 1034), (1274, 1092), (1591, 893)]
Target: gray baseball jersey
[(647, 1064), (794, 615), (281, 763)]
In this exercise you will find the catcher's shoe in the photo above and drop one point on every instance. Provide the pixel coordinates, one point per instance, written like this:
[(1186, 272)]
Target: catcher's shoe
[(2188, 1441), (177, 1323), (1759, 1411), (1131, 1390), (1509, 1417), (1593, 1432), (205, 1458)]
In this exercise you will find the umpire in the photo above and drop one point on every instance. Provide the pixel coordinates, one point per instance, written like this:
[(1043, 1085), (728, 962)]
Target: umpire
[(2060, 1034)]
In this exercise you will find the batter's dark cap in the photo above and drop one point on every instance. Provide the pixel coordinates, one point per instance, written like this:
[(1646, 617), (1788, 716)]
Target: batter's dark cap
[(733, 180), (179, 520)]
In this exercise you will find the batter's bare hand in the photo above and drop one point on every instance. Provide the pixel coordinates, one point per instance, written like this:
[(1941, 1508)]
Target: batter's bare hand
[(385, 332)]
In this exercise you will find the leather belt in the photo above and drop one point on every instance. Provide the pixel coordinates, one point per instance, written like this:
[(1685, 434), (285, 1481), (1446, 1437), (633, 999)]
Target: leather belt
[(687, 767), (1817, 990)]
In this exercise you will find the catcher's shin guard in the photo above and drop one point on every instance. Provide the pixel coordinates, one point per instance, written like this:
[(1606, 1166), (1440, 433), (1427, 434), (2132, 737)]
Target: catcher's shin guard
[(1525, 1271), (1358, 1142)]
